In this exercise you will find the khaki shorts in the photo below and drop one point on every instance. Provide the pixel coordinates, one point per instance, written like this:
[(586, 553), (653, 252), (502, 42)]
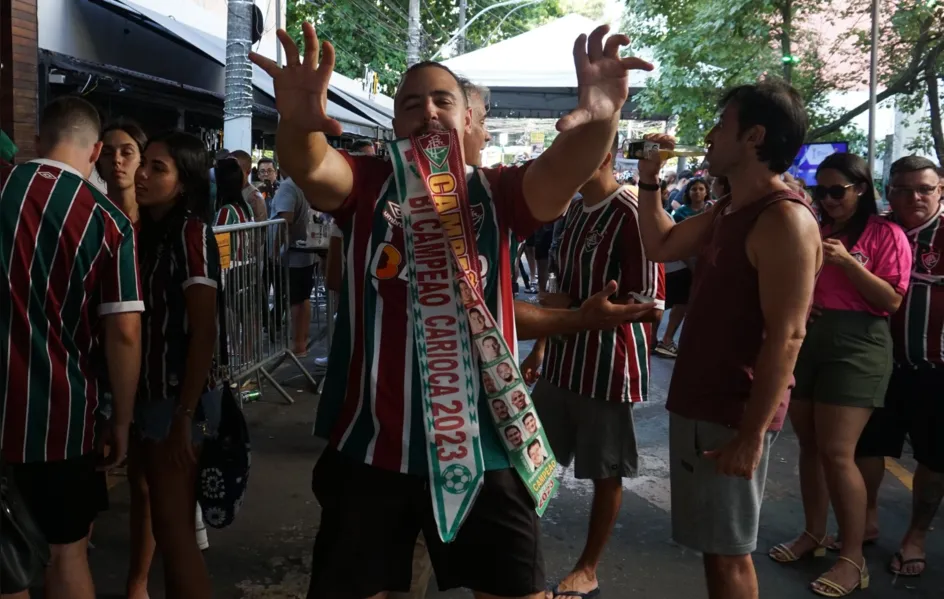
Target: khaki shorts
[(711, 513)]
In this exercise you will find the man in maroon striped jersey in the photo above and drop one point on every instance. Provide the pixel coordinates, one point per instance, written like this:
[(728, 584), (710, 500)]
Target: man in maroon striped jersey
[(69, 277), (591, 380), (372, 410), (914, 403)]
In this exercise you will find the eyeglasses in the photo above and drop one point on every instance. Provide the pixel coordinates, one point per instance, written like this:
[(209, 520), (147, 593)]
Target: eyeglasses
[(836, 192), (904, 192)]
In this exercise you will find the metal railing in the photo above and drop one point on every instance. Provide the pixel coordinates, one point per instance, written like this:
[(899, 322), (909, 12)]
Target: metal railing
[(256, 302)]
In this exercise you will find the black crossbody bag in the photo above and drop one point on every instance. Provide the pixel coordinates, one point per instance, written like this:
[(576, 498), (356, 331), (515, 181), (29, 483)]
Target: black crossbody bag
[(24, 552)]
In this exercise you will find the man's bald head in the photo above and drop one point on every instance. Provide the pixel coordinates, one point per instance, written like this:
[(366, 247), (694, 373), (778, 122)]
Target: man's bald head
[(244, 160), (70, 131)]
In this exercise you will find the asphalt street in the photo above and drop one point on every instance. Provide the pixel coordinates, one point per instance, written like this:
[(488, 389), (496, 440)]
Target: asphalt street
[(265, 554)]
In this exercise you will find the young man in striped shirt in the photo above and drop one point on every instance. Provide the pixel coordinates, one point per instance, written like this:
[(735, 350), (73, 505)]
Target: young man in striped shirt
[(591, 380), (914, 403), (373, 481), (69, 275)]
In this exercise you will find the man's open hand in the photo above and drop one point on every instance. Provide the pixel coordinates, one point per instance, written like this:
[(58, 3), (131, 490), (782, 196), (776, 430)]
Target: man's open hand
[(301, 86), (600, 314), (602, 78)]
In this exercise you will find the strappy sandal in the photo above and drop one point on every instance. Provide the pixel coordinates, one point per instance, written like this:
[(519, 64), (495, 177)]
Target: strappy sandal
[(834, 589), (783, 554)]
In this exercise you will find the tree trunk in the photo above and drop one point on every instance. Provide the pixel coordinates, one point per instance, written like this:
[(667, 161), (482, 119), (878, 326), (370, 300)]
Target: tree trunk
[(934, 99), (786, 15)]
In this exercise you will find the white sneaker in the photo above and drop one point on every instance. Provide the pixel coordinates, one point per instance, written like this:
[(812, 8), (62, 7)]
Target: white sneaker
[(203, 542)]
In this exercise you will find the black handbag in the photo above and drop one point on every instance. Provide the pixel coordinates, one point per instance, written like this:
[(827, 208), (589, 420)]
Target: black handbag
[(24, 552), (223, 473)]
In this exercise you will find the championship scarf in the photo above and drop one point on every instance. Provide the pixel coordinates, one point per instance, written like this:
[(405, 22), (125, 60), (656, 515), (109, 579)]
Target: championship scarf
[(459, 344)]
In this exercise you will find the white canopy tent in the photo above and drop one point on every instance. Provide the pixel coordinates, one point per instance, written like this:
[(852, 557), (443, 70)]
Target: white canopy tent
[(532, 75)]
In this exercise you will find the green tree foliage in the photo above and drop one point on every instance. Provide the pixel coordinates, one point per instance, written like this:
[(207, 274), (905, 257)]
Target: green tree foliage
[(373, 33), (705, 46)]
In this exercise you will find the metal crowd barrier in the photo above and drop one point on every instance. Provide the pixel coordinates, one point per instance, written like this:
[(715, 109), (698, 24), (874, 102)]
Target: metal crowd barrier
[(256, 302)]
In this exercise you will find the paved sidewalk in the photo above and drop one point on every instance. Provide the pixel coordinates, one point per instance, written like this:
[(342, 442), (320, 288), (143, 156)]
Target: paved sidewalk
[(266, 553)]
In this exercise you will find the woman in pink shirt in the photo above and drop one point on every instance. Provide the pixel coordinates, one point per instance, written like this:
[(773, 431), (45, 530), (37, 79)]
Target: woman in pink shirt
[(845, 363)]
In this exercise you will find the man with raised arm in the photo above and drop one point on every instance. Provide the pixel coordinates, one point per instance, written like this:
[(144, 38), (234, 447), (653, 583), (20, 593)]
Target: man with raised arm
[(374, 482), (758, 254)]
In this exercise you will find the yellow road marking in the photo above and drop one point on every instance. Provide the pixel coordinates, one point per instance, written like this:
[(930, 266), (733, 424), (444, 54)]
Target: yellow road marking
[(900, 472)]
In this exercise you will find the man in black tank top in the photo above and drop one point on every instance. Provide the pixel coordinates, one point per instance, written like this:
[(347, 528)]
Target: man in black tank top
[(759, 252)]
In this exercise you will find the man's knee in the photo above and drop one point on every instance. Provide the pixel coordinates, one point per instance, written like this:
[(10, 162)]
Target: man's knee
[(729, 565)]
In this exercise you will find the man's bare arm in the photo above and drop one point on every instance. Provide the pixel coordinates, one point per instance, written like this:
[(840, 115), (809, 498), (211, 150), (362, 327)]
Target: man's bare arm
[(557, 175), (301, 97), (323, 175), (664, 240), (785, 249), (123, 357)]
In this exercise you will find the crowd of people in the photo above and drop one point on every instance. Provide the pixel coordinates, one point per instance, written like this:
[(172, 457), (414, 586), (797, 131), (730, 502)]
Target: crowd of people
[(113, 308)]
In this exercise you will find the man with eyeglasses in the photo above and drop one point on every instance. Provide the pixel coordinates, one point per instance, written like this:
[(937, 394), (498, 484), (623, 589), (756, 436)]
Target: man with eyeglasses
[(913, 403), (268, 178)]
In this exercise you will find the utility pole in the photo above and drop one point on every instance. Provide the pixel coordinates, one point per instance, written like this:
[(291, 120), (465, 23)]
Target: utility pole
[(873, 85), (462, 7), (413, 34), (237, 105)]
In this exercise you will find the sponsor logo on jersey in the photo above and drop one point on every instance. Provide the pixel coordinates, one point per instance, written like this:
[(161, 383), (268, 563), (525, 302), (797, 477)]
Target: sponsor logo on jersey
[(393, 215), (860, 258)]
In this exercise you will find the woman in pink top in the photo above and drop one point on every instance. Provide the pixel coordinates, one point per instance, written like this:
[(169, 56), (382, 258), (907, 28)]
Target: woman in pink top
[(845, 363)]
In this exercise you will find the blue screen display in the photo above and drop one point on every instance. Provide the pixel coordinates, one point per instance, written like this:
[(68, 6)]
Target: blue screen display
[(810, 157)]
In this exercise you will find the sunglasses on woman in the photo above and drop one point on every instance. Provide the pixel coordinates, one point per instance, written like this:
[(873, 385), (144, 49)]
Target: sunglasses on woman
[(836, 192)]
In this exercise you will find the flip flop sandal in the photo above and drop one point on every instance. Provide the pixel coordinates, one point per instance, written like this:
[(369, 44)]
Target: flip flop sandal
[(556, 592), (783, 554), (902, 562)]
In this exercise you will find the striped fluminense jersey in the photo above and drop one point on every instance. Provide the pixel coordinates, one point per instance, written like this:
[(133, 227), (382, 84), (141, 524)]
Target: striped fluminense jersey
[(233, 214), (67, 259), (599, 244), (186, 255), (918, 325), (371, 408)]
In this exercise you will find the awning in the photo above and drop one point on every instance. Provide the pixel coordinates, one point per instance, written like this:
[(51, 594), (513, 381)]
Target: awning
[(352, 117)]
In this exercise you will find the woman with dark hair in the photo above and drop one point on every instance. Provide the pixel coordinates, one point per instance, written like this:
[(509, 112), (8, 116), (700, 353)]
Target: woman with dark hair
[(678, 274), (122, 146), (231, 206), (844, 365), (178, 400)]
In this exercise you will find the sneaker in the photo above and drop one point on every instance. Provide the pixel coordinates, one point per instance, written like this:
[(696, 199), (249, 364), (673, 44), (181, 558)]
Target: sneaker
[(667, 350)]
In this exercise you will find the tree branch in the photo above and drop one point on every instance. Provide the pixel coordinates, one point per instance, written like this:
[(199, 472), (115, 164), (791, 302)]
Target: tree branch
[(905, 82)]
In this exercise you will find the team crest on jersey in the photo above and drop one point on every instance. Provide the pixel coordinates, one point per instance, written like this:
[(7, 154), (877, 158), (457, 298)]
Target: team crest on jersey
[(593, 240), (930, 258), (393, 214), (860, 258)]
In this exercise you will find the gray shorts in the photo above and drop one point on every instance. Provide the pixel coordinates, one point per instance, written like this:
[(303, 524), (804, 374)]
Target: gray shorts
[(714, 514), (598, 436)]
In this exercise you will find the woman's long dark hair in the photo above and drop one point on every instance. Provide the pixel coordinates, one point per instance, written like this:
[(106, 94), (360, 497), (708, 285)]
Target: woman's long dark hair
[(189, 155), (856, 171), (229, 185), (686, 195)]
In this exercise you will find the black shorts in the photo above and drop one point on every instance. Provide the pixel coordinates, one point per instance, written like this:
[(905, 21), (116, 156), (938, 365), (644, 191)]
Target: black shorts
[(370, 520), (913, 406), (542, 250), (64, 497), (301, 280), (678, 286)]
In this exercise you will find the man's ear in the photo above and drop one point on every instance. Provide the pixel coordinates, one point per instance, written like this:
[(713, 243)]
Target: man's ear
[(468, 121), (96, 152), (756, 135)]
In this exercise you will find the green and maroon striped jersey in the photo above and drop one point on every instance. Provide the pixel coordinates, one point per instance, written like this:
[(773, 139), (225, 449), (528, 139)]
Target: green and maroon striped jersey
[(67, 259), (372, 405), (918, 325), (599, 244)]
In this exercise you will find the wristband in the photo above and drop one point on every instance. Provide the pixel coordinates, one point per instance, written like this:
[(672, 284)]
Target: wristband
[(648, 186)]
